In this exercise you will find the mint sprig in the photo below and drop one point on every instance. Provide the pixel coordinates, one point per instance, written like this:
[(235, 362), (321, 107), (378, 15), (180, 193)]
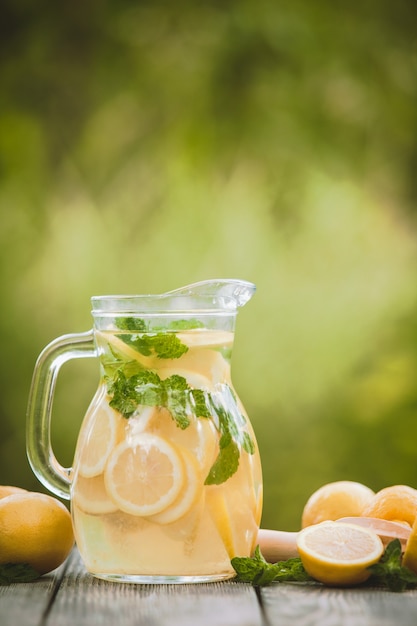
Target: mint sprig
[(164, 345), (389, 572), (257, 571), (147, 389), (17, 573)]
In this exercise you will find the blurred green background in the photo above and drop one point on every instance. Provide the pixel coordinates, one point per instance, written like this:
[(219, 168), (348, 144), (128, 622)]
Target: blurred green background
[(145, 145)]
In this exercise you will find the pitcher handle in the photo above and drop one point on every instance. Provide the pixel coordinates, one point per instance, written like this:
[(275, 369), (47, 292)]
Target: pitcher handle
[(38, 422)]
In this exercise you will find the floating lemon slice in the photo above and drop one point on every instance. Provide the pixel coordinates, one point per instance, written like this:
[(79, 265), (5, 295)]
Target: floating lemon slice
[(219, 512), (338, 554), (202, 337), (188, 496), (144, 475), (200, 438), (123, 348), (97, 439), (90, 495)]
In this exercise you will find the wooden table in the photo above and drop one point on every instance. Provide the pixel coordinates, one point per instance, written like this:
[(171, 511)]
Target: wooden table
[(72, 597)]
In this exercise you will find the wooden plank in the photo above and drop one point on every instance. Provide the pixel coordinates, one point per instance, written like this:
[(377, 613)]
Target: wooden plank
[(309, 605), (28, 603), (84, 600)]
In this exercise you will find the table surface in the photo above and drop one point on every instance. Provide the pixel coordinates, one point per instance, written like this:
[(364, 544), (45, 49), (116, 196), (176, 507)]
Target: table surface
[(70, 596)]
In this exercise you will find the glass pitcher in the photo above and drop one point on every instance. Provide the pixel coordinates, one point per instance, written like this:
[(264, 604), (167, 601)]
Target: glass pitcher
[(166, 482)]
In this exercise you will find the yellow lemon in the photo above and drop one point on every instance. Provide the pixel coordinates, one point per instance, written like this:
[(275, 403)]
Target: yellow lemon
[(144, 474), (338, 554), (35, 529), (343, 498), (396, 503), (410, 552), (8, 490)]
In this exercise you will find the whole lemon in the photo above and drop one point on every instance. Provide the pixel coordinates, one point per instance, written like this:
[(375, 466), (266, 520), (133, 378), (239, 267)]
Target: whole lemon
[(8, 490), (35, 529), (343, 498)]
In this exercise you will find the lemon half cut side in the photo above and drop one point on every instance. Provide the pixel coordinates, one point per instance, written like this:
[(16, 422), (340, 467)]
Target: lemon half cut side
[(339, 554)]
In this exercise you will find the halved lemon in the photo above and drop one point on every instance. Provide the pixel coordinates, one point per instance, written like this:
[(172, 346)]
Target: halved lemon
[(187, 497), (338, 554), (144, 474), (97, 439), (90, 495)]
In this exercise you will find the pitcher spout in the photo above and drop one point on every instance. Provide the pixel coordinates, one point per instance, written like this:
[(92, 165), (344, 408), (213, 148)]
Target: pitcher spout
[(236, 292)]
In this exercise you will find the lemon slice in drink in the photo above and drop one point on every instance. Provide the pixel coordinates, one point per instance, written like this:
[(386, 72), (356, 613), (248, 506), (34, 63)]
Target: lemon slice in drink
[(144, 475), (199, 437), (187, 497), (97, 439), (90, 495), (338, 554), (203, 337), (123, 349)]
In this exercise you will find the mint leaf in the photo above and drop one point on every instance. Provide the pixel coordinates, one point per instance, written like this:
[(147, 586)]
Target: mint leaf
[(230, 424), (190, 324), (226, 463), (17, 573), (389, 572), (200, 402), (257, 571), (177, 399), (131, 323), (165, 345), (147, 389)]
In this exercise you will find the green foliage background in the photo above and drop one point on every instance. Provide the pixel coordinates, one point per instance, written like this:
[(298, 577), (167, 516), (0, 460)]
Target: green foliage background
[(145, 145)]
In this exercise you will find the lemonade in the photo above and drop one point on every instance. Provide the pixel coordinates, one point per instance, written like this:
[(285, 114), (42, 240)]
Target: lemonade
[(167, 477)]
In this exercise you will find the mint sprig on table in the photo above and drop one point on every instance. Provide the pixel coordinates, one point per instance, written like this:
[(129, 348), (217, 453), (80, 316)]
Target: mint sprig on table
[(388, 572), (17, 573), (259, 572)]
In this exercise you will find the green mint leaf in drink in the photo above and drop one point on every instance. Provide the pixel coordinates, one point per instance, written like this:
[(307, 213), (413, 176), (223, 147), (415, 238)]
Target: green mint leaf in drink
[(200, 401), (190, 324), (176, 399), (144, 387), (164, 345), (226, 463), (131, 323), (231, 436)]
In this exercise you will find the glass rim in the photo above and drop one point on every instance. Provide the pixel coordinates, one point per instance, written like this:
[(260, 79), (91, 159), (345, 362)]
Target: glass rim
[(162, 304)]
